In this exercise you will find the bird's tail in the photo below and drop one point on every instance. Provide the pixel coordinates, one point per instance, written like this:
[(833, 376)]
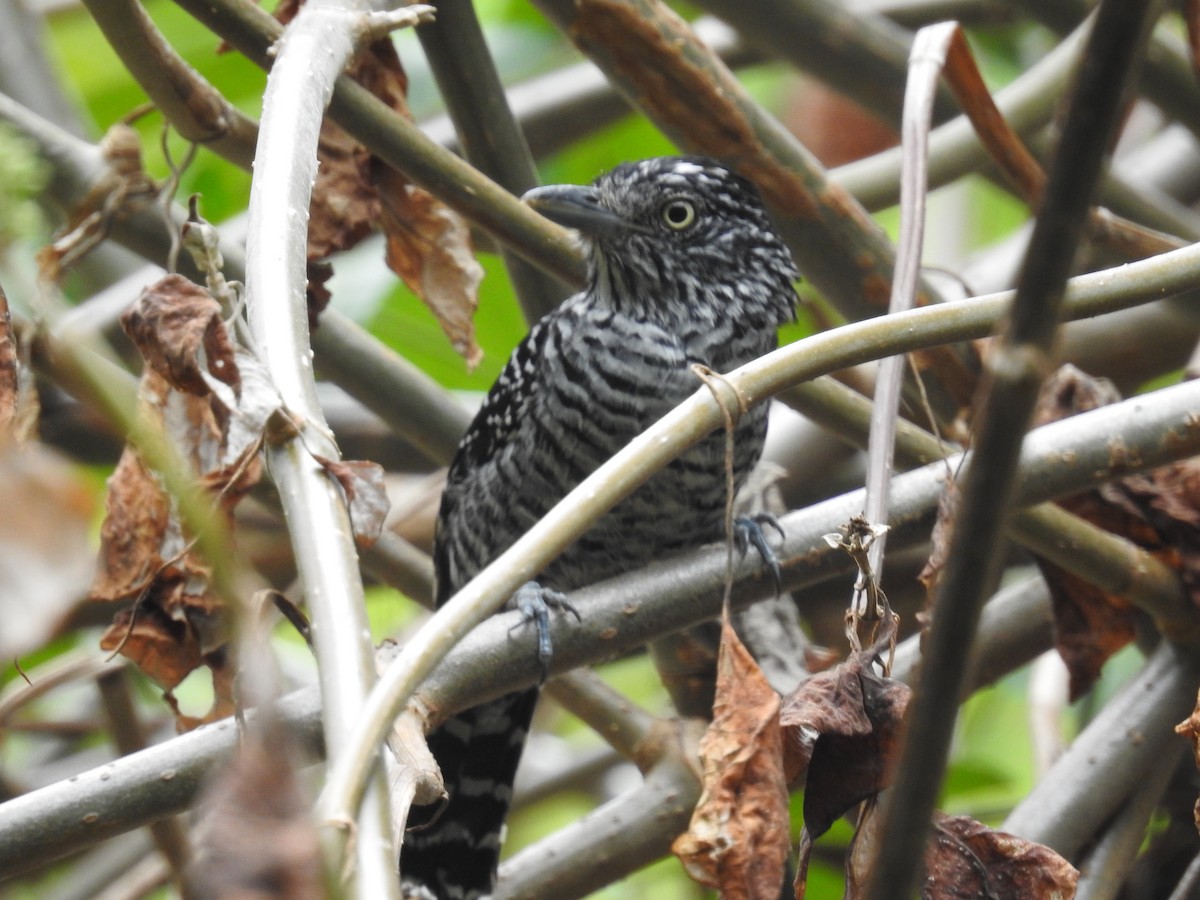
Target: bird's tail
[(456, 855)]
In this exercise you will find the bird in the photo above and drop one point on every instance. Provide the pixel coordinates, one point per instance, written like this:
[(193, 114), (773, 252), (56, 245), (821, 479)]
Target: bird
[(684, 268)]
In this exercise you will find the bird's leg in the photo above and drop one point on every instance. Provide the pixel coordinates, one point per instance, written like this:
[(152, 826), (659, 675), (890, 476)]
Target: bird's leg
[(534, 602), (748, 532)]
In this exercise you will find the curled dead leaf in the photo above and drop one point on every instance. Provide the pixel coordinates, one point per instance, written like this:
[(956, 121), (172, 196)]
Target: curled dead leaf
[(429, 246), (1156, 511), (366, 497), (134, 528), (177, 327), (1168, 500), (163, 647), (841, 733), (738, 838), (176, 623), (122, 186), (345, 206), (965, 858)]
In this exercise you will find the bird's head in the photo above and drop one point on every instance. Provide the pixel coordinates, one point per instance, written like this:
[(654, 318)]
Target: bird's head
[(676, 236)]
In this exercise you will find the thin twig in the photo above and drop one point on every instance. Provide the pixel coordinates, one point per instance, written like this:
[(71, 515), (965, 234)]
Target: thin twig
[(927, 60)]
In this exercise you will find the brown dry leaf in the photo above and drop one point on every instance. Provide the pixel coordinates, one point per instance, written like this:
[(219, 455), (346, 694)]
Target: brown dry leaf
[(967, 859), (345, 206), (211, 399), (943, 527), (9, 386), (223, 674), (738, 838), (169, 633), (840, 733), (172, 323), (257, 839), (366, 497), (860, 855), (204, 617), (176, 624), (131, 538), (429, 246), (1190, 728), (121, 187), (1003, 144), (1168, 500), (233, 482), (218, 433), (135, 537), (1089, 625), (45, 544), (164, 648)]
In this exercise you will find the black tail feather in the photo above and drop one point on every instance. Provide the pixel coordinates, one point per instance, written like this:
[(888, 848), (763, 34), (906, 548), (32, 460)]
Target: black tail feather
[(456, 854)]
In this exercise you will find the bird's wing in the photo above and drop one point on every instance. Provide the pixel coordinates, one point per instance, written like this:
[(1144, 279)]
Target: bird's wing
[(494, 425), (500, 415)]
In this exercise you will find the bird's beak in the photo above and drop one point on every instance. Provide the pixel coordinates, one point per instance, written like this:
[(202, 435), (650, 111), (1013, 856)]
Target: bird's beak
[(576, 206)]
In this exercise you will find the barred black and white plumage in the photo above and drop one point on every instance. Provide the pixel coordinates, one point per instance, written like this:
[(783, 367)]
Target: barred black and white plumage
[(684, 267)]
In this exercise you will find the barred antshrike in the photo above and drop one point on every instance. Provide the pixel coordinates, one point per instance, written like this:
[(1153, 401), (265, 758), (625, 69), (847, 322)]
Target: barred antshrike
[(684, 267)]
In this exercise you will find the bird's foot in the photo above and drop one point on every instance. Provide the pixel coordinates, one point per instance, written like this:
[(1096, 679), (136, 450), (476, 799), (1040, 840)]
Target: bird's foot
[(748, 532), (534, 602)]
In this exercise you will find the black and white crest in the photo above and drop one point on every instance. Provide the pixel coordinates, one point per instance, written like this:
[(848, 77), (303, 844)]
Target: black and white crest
[(698, 243)]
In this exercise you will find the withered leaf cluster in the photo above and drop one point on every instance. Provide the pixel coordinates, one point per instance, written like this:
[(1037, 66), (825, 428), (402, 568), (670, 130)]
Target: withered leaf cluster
[(837, 735), (211, 399), (175, 623), (1157, 511)]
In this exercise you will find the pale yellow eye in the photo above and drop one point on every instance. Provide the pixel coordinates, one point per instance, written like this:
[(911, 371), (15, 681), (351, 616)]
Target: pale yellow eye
[(678, 214)]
